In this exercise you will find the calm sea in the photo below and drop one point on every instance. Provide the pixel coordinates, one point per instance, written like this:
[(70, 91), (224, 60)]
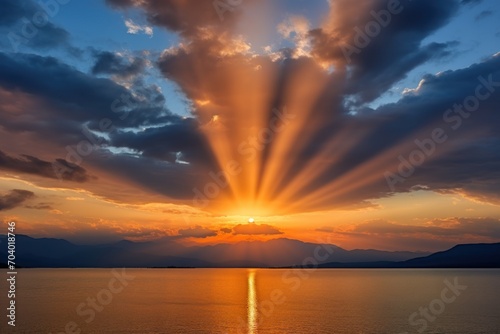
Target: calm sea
[(255, 301)]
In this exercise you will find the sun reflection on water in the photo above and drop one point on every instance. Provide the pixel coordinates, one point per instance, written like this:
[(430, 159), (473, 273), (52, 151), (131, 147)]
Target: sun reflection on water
[(252, 303)]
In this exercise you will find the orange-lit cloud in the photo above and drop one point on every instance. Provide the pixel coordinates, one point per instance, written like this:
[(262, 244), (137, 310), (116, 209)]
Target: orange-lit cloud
[(255, 229), (283, 131), (197, 232)]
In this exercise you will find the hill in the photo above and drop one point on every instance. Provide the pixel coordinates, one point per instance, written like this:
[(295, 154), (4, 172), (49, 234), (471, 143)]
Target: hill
[(460, 256), (166, 252)]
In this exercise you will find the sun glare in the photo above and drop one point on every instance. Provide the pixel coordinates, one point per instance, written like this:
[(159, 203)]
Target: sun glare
[(251, 220)]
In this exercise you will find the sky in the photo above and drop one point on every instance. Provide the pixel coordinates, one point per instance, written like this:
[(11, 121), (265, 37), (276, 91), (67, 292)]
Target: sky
[(367, 124)]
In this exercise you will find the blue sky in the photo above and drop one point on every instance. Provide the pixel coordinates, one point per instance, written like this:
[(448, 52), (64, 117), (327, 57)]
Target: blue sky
[(93, 24)]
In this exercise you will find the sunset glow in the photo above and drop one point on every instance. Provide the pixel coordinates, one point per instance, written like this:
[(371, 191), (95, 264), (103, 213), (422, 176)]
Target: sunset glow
[(204, 127), (250, 166)]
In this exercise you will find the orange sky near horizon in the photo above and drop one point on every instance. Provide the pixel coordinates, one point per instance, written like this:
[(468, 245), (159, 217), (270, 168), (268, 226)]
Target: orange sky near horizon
[(397, 223)]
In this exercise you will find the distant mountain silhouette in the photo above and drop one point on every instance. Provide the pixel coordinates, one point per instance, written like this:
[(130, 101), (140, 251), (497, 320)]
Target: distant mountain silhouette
[(460, 256), (287, 252), (166, 252), (47, 252)]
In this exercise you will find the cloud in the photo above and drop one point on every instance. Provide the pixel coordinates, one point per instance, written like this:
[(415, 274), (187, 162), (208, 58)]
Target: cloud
[(255, 229), (17, 14), (325, 229), (179, 15), (14, 198), (226, 230), (134, 28), (471, 2), (206, 73), (94, 231), (232, 89), (433, 235), (117, 64), (197, 232), (40, 206), (75, 98), (484, 14), (59, 169), (297, 29), (75, 198), (372, 69), (379, 132), (458, 227)]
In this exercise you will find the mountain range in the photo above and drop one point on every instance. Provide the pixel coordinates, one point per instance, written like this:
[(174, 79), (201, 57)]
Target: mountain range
[(166, 252)]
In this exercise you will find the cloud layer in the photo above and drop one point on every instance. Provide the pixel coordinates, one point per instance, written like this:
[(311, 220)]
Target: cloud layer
[(334, 148), (14, 198)]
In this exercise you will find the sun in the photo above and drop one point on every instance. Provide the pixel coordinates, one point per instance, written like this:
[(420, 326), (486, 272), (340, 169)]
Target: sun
[(251, 220)]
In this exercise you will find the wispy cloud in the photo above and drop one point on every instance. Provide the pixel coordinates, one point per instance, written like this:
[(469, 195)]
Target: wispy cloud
[(134, 28)]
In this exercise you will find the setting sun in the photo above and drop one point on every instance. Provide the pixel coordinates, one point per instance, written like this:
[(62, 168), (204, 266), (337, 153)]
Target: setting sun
[(239, 136)]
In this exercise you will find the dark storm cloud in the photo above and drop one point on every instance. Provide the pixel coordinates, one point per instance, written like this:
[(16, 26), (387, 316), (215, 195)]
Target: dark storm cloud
[(33, 165), (178, 15), (80, 97), (473, 169), (74, 98), (174, 180), (77, 98), (164, 142), (111, 63), (371, 73), (438, 93), (27, 23), (51, 36), (468, 160), (211, 65), (13, 10), (382, 60), (14, 198)]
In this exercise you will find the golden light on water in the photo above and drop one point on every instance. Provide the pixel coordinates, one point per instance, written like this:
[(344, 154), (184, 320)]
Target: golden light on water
[(252, 303)]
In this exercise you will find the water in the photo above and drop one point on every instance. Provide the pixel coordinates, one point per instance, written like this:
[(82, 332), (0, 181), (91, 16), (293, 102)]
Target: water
[(252, 301)]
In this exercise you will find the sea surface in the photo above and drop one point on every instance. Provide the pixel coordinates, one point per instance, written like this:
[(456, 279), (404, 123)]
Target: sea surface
[(254, 301)]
